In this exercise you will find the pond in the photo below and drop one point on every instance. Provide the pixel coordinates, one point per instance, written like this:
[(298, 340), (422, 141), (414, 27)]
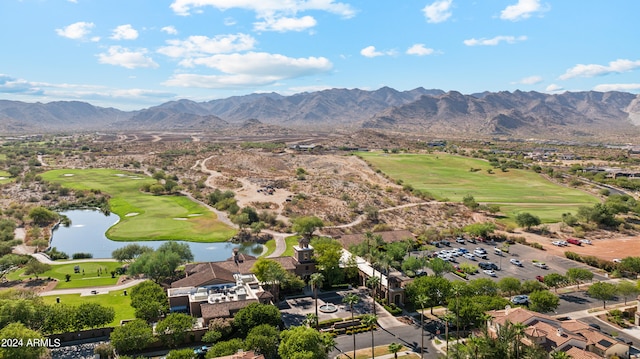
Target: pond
[(86, 234)]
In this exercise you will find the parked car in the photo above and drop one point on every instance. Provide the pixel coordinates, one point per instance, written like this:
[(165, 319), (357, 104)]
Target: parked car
[(471, 240), (460, 240), (515, 262), (469, 256), (574, 241), (446, 243), (490, 273), (557, 243), (540, 278), (585, 241), (488, 266), (617, 260), (540, 265), (520, 299)]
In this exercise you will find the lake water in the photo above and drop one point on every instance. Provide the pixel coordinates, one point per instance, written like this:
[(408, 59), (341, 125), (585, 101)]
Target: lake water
[(86, 234)]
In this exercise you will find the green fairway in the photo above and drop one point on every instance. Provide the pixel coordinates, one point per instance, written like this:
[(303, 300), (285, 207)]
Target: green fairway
[(115, 299), (449, 177), (90, 277), (144, 216)]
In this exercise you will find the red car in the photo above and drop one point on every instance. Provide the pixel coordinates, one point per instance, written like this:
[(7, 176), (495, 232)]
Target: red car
[(540, 278), (577, 242)]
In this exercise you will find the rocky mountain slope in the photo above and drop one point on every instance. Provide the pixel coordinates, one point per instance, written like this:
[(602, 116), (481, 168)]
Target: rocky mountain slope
[(519, 114)]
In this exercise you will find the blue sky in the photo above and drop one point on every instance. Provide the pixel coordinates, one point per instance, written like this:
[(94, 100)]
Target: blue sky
[(133, 54)]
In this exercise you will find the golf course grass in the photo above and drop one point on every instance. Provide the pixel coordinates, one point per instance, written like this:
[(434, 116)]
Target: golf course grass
[(449, 177), (115, 299), (90, 277), (144, 216)]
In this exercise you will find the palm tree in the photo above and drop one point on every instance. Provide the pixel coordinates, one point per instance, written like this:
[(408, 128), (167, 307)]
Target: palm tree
[(373, 282), (473, 345), (370, 320), (316, 281), (518, 331), (395, 348), (447, 318), (352, 299), (422, 300), (311, 320), (384, 262)]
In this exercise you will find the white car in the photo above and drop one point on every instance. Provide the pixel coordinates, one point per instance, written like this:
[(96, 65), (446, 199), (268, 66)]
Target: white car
[(557, 243), (520, 299), (585, 241), (490, 272), (515, 262), (617, 260), (469, 256), (540, 265)]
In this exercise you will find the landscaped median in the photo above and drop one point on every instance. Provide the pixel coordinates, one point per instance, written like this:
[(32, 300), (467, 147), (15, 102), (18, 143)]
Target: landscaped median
[(144, 216)]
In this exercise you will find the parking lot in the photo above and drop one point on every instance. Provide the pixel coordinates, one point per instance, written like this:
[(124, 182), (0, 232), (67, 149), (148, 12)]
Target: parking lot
[(525, 254)]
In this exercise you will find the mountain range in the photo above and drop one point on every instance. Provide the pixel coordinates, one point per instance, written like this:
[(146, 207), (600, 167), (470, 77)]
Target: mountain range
[(587, 114)]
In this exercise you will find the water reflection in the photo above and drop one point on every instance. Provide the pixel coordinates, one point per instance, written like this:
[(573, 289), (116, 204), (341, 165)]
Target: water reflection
[(87, 235)]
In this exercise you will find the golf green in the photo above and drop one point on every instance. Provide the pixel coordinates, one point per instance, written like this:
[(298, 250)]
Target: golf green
[(144, 216), (449, 177), (90, 274)]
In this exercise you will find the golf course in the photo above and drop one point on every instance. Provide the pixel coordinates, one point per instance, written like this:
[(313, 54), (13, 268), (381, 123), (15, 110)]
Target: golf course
[(144, 216), (450, 178)]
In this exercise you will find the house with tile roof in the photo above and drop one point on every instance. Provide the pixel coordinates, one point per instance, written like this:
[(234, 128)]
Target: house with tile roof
[(212, 290), (574, 337)]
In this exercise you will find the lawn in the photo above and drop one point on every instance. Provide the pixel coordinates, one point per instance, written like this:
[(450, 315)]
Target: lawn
[(448, 177), (290, 241), (5, 177), (144, 216), (115, 299), (90, 277)]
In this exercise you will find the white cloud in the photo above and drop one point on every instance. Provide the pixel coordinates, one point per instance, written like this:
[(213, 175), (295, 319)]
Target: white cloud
[(196, 46), (266, 7), (76, 31), (370, 51), (10, 85), (591, 70), (229, 21), (617, 87), (169, 30), (554, 88), (124, 32), (494, 41), (531, 80), (284, 24), (120, 56), (420, 50), (522, 10), (439, 11), (250, 69)]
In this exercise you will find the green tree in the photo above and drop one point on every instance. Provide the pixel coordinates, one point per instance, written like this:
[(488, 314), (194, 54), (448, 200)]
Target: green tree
[(181, 354), (439, 266), (627, 289), (483, 286), (255, 314), (531, 285), (579, 275), (263, 339), (129, 252), (271, 272), (211, 336), (555, 280), (480, 229), (509, 285), (149, 300), (630, 264), (162, 262), (543, 301), (307, 225), (303, 342), (134, 335), (36, 268), (228, 347), (470, 202), (436, 288), (15, 338), (394, 348), (173, 329), (328, 252), (42, 217), (93, 315), (527, 220), (316, 282)]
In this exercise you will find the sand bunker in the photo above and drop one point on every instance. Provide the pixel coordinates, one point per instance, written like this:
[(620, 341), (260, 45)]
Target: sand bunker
[(131, 214), (180, 219), (68, 175)]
